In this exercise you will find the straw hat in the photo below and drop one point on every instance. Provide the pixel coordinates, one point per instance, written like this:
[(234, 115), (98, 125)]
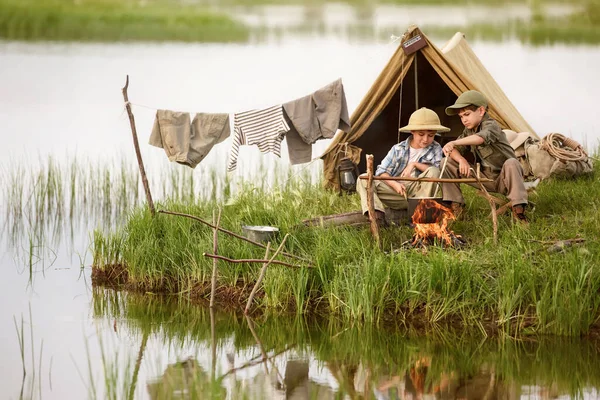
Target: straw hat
[(424, 119), (516, 139)]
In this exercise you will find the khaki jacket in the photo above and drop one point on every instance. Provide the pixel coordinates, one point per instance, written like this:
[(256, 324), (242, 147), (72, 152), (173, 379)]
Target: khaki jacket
[(495, 149), (314, 117)]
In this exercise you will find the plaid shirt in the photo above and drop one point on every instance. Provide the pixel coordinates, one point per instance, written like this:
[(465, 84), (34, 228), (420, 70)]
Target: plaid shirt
[(397, 158)]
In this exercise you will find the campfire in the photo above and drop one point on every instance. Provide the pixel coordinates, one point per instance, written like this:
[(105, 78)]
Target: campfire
[(431, 220)]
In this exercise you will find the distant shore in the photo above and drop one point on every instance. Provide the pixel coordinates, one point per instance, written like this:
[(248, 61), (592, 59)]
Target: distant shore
[(112, 21), (163, 20)]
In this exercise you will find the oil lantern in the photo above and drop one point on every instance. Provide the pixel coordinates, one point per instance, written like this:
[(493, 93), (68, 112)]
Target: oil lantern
[(347, 174)]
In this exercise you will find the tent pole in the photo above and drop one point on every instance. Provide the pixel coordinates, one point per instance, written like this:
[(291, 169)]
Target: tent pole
[(416, 84), (400, 107), (400, 103)]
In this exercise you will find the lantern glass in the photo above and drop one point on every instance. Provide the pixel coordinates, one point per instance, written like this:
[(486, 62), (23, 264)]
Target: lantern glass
[(348, 175), (347, 180)]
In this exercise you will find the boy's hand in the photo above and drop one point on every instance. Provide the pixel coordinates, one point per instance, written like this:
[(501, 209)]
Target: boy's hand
[(464, 168), (408, 170), (400, 188), (447, 149)]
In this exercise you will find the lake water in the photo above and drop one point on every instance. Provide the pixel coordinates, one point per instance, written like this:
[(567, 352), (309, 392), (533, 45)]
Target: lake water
[(64, 101)]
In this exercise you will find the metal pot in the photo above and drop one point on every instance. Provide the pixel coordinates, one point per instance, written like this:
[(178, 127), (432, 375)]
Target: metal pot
[(260, 233), (431, 214)]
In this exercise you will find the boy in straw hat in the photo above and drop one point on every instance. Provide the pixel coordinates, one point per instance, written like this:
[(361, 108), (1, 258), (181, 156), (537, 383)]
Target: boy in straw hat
[(491, 149), (417, 156)]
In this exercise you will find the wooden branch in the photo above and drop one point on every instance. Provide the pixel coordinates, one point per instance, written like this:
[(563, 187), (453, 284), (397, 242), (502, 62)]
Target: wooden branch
[(137, 148), (263, 270), (370, 201), (260, 278), (213, 280), (259, 343), (254, 362), (213, 345), (490, 199), (559, 241), (138, 363), (413, 179), (229, 232), (262, 350), (254, 260)]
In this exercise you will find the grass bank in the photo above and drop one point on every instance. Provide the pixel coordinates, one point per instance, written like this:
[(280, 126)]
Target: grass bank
[(520, 286), (113, 20)]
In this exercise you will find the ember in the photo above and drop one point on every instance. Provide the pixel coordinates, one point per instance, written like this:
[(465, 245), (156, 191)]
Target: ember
[(436, 232)]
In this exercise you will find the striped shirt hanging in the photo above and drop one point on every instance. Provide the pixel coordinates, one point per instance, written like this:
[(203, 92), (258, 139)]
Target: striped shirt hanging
[(264, 128)]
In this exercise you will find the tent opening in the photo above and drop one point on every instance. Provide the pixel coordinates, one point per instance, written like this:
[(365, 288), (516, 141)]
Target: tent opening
[(432, 93)]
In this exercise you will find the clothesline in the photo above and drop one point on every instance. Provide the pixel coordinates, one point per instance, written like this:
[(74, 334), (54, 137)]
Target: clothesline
[(267, 135), (156, 109), (294, 175)]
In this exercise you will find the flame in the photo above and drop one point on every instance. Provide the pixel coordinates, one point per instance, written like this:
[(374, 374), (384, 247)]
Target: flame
[(432, 210)]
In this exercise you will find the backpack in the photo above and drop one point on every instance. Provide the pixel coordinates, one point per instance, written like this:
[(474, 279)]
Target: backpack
[(553, 156)]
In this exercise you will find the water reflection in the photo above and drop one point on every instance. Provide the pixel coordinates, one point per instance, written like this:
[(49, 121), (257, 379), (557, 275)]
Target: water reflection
[(232, 356), (57, 204)]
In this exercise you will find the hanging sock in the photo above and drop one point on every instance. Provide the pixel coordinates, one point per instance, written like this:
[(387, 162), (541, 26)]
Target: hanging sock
[(263, 128)]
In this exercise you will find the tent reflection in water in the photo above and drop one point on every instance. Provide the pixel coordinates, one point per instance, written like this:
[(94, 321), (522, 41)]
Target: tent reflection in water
[(428, 77)]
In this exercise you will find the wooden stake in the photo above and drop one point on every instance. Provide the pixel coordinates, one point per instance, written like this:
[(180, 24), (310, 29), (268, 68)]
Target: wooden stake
[(213, 341), (252, 363), (137, 148), (490, 200), (265, 358), (413, 179), (259, 343), (260, 277), (263, 270), (213, 282), (370, 200), (138, 363)]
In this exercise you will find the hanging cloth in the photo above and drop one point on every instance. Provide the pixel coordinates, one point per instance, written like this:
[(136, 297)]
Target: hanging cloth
[(263, 128), (316, 116), (186, 143)]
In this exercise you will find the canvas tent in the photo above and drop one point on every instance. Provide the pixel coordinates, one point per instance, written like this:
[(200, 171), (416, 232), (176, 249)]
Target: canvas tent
[(438, 78)]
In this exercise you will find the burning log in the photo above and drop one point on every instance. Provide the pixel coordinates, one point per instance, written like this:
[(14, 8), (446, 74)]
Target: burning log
[(436, 232), (455, 242)]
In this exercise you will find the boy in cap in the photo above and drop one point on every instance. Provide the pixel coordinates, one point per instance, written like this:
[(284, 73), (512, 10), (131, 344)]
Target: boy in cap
[(418, 156), (491, 149)]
